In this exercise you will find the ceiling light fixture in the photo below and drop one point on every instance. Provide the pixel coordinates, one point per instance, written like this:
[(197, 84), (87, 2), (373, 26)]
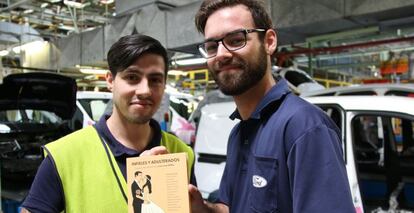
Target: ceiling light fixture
[(4, 53), (92, 70), (28, 11), (75, 4), (177, 72), (191, 61), (43, 5), (107, 1)]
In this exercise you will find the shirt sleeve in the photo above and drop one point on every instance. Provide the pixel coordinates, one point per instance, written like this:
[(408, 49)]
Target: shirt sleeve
[(192, 176), (223, 194), (46, 193), (319, 180)]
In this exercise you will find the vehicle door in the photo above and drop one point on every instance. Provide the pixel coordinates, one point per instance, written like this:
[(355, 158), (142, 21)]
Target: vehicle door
[(384, 155)]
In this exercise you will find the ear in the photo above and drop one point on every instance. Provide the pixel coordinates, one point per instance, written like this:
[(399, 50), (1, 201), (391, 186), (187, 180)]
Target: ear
[(270, 41), (109, 81)]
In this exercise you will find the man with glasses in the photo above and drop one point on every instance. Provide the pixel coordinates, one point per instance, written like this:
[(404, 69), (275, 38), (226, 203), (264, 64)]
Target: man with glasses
[(285, 154)]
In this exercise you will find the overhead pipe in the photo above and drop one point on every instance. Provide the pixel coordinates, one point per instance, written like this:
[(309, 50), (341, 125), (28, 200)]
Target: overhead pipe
[(337, 49)]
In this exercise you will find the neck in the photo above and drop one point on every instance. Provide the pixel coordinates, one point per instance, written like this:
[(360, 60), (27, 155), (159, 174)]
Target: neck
[(132, 135), (247, 102)]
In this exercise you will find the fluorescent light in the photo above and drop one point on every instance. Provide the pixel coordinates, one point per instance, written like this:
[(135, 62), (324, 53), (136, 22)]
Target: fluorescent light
[(28, 11), (191, 61), (107, 1), (65, 27), (31, 47), (75, 4), (93, 70), (4, 53), (177, 72)]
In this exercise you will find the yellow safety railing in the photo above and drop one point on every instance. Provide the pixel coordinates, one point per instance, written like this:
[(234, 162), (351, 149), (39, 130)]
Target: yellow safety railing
[(332, 83)]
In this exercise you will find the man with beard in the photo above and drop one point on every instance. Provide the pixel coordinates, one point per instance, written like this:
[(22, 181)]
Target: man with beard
[(86, 170), (285, 154)]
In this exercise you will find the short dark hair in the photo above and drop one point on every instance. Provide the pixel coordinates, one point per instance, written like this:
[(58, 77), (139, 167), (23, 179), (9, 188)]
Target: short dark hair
[(137, 173), (129, 48), (260, 16)]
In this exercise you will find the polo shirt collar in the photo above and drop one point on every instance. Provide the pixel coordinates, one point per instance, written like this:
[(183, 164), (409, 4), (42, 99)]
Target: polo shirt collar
[(117, 148), (278, 91)]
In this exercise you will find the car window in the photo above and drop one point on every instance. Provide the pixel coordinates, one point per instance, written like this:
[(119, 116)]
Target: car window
[(403, 136), (358, 93), (334, 112), (326, 94), (94, 107), (368, 139), (384, 152), (400, 93), (29, 116)]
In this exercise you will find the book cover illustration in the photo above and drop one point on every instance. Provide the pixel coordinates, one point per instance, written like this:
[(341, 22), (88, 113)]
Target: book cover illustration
[(158, 184)]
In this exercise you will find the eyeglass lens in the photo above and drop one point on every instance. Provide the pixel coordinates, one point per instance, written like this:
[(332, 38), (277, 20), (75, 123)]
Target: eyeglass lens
[(231, 42)]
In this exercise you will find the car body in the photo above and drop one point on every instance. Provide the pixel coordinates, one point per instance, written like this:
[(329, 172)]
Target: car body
[(377, 143), (365, 89), (90, 106), (210, 148), (181, 127), (298, 80), (214, 96), (35, 109)]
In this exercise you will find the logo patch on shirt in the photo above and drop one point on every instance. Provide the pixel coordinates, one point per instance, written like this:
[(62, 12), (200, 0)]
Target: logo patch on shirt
[(258, 181)]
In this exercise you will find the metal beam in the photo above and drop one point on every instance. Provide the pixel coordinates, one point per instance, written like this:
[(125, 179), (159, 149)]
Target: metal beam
[(342, 35), (343, 48), (11, 7)]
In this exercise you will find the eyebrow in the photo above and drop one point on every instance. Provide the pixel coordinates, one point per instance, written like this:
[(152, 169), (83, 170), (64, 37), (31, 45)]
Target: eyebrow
[(135, 69), (228, 33), (156, 74)]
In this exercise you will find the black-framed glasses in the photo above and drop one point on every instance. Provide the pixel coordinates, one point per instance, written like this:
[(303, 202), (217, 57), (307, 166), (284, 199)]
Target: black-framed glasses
[(232, 41)]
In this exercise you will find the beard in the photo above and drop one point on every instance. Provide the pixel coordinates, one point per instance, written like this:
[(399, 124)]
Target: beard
[(250, 73), (138, 119)]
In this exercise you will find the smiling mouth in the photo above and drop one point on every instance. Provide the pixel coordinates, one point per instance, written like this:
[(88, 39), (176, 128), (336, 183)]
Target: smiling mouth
[(142, 103), (228, 68)]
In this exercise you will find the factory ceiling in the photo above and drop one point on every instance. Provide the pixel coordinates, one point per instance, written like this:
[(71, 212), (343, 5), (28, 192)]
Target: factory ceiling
[(56, 18)]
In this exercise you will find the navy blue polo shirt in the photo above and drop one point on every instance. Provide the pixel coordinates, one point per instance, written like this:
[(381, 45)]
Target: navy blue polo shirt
[(286, 157), (46, 193)]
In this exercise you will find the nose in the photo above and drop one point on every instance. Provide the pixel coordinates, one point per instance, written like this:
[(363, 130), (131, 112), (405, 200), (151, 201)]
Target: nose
[(143, 89), (222, 52)]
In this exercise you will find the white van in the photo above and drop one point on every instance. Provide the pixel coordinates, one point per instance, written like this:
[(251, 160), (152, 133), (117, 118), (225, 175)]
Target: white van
[(378, 144)]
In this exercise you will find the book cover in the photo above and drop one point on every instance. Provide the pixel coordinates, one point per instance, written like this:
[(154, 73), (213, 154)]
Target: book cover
[(158, 184)]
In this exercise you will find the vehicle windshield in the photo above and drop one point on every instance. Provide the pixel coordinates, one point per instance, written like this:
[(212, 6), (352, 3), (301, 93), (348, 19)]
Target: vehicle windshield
[(94, 107), (29, 116), (297, 78)]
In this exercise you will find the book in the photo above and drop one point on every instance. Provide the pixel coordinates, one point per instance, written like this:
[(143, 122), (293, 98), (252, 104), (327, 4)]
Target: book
[(158, 184)]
